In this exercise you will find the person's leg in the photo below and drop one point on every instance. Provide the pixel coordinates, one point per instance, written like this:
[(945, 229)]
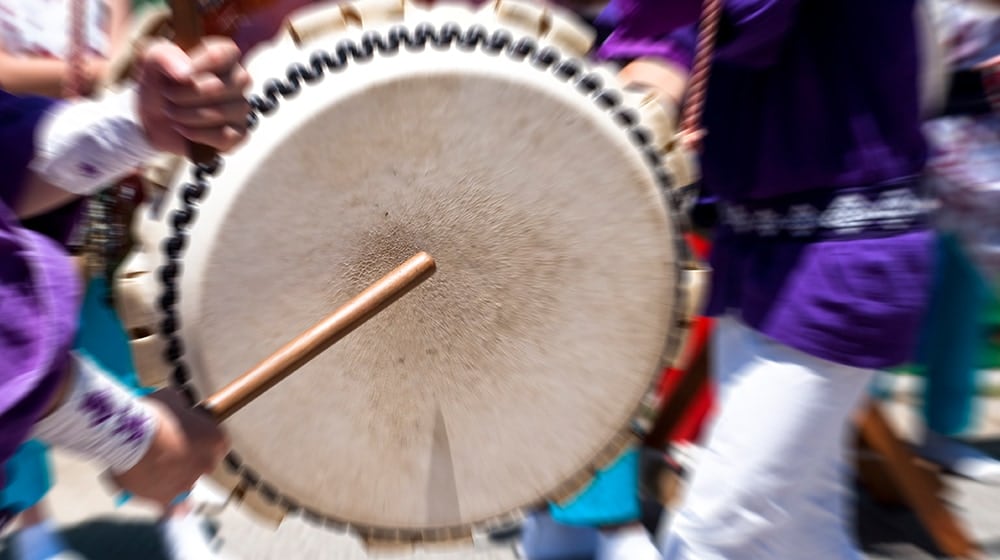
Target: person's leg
[(952, 345), (770, 483), (951, 353), (28, 481), (38, 538)]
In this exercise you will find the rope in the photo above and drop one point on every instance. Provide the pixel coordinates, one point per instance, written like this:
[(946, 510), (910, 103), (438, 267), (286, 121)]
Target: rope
[(104, 232), (75, 58), (694, 105)]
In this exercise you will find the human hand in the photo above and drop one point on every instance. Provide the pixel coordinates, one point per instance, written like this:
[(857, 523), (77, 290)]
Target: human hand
[(198, 98), (187, 445)]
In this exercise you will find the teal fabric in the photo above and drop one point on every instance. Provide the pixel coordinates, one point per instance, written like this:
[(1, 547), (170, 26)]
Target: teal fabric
[(612, 498), (102, 337), (953, 340), (29, 477)]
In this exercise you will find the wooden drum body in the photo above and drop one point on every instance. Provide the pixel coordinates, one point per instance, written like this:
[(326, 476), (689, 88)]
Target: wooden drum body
[(526, 363)]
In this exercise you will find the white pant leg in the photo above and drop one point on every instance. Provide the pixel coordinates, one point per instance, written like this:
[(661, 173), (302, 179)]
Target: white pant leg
[(771, 482)]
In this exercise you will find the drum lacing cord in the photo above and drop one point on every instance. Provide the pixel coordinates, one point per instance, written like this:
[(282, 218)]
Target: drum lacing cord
[(76, 48), (100, 234), (691, 131), (423, 35)]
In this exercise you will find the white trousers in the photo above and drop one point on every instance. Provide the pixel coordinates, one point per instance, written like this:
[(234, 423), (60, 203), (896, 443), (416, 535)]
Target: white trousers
[(771, 483)]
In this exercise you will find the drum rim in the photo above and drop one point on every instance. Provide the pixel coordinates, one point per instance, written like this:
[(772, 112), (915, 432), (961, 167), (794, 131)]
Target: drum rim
[(415, 38)]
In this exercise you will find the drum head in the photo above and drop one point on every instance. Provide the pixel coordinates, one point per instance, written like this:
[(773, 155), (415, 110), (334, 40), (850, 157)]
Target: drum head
[(515, 370)]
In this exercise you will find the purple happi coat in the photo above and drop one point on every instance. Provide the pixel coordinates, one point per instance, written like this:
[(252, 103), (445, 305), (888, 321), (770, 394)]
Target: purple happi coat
[(806, 101)]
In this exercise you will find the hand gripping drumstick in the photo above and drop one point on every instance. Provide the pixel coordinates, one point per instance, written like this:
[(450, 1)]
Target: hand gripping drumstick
[(317, 339), (313, 342), (188, 30)]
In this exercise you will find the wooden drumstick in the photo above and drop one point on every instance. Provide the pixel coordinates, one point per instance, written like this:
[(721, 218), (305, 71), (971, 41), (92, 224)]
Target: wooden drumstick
[(188, 31), (317, 339)]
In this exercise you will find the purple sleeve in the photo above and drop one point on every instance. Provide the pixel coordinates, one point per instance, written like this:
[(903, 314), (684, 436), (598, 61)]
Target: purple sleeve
[(750, 33), (38, 288), (650, 29), (19, 117)]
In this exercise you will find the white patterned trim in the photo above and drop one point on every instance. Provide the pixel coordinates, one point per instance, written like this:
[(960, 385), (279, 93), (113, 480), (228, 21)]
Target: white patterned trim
[(83, 146), (100, 419), (847, 214)]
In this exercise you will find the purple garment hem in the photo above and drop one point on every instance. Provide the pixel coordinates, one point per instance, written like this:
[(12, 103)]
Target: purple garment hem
[(859, 303)]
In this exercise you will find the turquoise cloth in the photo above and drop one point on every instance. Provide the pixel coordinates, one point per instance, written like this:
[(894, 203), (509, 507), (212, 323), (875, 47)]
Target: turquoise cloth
[(612, 498), (29, 477), (102, 337), (953, 339)]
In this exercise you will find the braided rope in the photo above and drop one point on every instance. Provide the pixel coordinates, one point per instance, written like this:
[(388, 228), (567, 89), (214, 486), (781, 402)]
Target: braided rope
[(76, 77), (694, 105)]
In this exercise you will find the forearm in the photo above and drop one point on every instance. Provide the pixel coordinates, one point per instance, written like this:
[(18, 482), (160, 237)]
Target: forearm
[(98, 419), (80, 148), (32, 75)]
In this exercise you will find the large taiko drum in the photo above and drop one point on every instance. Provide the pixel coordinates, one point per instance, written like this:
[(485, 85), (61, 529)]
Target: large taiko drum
[(527, 362)]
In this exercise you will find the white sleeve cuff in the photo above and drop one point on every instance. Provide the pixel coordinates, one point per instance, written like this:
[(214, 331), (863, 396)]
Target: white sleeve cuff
[(83, 146), (99, 420)]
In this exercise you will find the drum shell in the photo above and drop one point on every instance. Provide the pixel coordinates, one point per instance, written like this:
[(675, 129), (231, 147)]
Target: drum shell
[(571, 485)]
